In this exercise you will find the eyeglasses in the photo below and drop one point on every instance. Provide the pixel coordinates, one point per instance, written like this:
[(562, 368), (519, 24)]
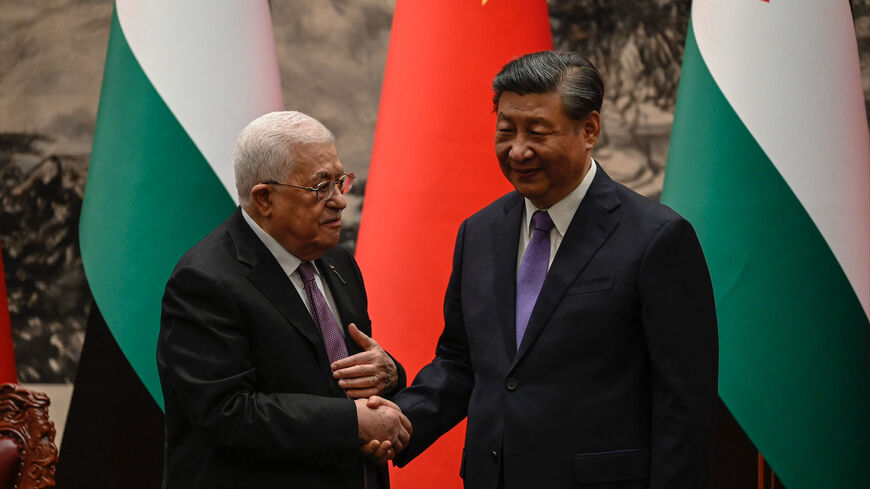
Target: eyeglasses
[(325, 190)]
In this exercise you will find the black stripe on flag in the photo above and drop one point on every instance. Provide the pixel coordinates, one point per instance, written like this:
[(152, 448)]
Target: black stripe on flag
[(735, 457), (115, 430)]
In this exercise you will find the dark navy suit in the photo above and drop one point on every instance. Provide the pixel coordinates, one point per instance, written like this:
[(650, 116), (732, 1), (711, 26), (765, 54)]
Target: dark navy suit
[(614, 383)]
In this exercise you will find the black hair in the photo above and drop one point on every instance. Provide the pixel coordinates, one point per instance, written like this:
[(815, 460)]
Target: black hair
[(576, 80)]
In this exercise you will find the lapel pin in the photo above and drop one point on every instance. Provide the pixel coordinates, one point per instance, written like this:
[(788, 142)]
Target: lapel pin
[(331, 267)]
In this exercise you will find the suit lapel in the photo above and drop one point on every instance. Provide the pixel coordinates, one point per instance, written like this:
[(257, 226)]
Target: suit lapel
[(338, 288), (592, 225), (269, 278), (505, 240)]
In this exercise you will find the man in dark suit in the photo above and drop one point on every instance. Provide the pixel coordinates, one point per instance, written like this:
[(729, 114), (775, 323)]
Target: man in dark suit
[(264, 353), (580, 332)]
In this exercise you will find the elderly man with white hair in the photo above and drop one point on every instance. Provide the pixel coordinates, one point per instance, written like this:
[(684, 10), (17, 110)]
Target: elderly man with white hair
[(265, 352)]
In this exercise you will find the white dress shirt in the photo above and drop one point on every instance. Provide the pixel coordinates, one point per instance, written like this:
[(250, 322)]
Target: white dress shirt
[(289, 263), (561, 213)]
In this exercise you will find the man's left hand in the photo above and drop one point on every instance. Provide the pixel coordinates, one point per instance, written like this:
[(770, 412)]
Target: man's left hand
[(370, 373)]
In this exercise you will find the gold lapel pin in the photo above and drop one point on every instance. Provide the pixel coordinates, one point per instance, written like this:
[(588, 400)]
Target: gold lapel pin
[(332, 267)]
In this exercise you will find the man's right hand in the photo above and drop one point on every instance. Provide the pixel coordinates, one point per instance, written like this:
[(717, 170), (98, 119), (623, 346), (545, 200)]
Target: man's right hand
[(381, 420), (379, 452)]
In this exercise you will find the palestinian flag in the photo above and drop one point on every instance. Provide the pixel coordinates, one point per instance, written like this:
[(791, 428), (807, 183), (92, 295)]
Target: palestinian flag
[(433, 165), (181, 81), (770, 160)]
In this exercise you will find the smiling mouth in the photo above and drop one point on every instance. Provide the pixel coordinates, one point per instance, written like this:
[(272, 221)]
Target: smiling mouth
[(525, 171)]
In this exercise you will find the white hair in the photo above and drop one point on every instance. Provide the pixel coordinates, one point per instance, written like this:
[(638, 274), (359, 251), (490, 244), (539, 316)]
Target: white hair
[(264, 150)]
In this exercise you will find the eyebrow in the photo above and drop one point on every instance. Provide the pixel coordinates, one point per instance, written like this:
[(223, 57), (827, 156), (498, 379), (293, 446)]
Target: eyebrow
[(325, 175), (537, 120), (542, 122)]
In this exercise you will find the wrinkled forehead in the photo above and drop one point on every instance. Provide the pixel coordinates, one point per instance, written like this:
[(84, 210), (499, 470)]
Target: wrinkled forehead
[(316, 159)]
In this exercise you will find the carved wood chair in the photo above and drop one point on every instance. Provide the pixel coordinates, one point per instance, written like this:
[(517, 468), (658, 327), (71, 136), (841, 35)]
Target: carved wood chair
[(26, 431)]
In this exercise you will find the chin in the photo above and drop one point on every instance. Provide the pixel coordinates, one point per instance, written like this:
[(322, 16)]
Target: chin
[(330, 241), (528, 191)]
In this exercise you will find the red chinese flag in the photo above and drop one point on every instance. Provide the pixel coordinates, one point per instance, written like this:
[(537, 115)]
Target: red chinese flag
[(7, 355), (433, 165)]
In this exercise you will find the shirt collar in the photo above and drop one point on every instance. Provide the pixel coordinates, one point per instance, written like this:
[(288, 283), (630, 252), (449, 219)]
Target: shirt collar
[(563, 211), (288, 261)]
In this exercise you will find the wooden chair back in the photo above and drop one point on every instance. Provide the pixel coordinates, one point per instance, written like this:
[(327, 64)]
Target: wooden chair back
[(24, 420)]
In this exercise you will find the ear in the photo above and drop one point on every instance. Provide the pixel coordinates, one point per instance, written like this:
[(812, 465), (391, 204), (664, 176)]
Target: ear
[(261, 199), (591, 129)]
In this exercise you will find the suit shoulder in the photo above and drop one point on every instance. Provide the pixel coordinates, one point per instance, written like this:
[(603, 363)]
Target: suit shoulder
[(496, 208), (215, 248), (643, 209), (647, 222)]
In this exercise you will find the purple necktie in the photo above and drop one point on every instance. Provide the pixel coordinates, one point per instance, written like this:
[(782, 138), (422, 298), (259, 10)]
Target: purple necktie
[(533, 270), (333, 340), (336, 349)]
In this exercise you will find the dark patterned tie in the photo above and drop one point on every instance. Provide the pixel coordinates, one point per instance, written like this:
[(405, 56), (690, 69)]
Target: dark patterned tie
[(333, 340), (533, 271)]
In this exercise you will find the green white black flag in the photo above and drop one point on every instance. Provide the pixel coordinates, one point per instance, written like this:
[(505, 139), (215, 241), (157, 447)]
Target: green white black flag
[(770, 161), (181, 81)]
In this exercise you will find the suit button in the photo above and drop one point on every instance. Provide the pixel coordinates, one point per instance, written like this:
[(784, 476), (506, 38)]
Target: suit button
[(494, 455), (511, 384)]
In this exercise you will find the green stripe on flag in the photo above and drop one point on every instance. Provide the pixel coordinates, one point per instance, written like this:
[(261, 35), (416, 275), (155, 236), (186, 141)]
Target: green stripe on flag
[(794, 339), (150, 196)]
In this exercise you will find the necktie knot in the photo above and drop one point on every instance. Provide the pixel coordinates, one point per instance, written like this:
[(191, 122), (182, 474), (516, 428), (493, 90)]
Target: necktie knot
[(533, 271), (541, 221), (306, 271)]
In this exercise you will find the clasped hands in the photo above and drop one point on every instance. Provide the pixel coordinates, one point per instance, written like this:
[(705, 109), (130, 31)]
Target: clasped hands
[(383, 429)]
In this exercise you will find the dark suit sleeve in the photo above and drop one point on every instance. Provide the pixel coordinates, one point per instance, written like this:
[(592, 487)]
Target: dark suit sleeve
[(438, 398), (679, 321), (204, 354)]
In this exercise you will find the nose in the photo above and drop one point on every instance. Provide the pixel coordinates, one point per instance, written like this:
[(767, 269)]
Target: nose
[(337, 200), (520, 149)]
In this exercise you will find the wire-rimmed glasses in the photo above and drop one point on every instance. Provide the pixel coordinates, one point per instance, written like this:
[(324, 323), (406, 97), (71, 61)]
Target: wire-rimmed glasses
[(324, 190)]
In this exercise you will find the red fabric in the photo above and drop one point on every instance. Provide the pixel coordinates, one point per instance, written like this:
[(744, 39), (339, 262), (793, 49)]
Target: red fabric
[(433, 165), (10, 460), (7, 355)]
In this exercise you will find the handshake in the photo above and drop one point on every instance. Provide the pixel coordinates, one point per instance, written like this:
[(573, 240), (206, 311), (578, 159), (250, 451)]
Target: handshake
[(384, 430)]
